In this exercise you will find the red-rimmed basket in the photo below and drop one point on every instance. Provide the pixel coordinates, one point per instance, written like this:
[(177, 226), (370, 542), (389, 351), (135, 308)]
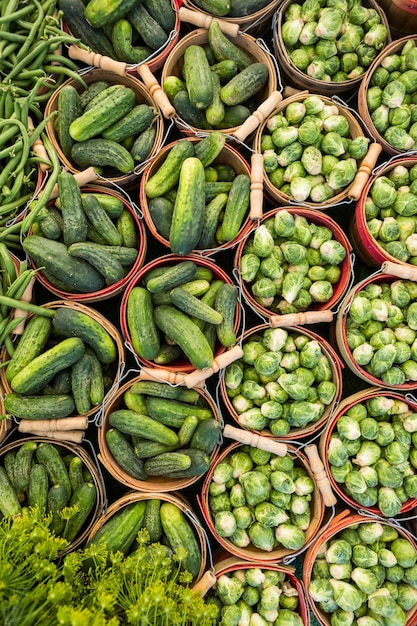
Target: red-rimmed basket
[(343, 407), (153, 483), (364, 243), (343, 521), (251, 553), (181, 364), (336, 365), (228, 156), (116, 288), (314, 217)]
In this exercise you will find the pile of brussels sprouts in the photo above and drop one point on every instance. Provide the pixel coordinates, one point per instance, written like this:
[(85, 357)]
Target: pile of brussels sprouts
[(366, 575), (291, 264), (390, 211), (391, 97), (260, 500), (372, 453), (380, 329), (308, 151), (256, 596), (332, 40), (283, 381)]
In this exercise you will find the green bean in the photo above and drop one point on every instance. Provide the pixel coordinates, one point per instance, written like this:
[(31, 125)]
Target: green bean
[(19, 285), (8, 344), (33, 30), (14, 322), (9, 168), (14, 37), (26, 306), (60, 69), (7, 18)]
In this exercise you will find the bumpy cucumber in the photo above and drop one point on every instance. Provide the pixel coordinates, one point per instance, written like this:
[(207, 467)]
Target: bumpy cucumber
[(143, 144), (133, 123), (162, 12), (173, 412), (97, 390), (132, 423), (80, 384), (124, 454), (245, 84), (99, 13), (37, 493), (103, 153), (142, 329), (187, 430), (161, 210), (207, 435), (194, 307), (198, 76), (84, 499), (31, 344), (73, 216), (226, 303), (23, 462), (9, 503), (166, 463), (188, 112), (172, 276), (52, 224), (215, 111), (214, 7), (120, 530), (39, 407), (100, 258), (149, 29), (167, 175), (211, 221), (57, 499), (152, 521), (210, 147), (223, 48), (122, 40), (200, 463), (95, 38), (101, 220), (236, 207), (92, 91), (69, 108), (47, 454), (179, 534)]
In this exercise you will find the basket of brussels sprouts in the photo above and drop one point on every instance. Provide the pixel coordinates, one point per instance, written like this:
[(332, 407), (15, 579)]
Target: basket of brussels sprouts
[(363, 571), (387, 97), (328, 46), (375, 328), (384, 226), (314, 152), (294, 260), (369, 450)]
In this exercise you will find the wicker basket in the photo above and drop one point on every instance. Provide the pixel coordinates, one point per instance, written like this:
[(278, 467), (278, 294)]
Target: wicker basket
[(302, 80), (255, 24), (152, 483), (143, 96)]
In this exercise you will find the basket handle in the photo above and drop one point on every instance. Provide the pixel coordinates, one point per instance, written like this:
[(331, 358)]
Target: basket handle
[(82, 178), (256, 441), (39, 149), (320, 475), (97, 60), (157, 93), (76, 436), (172, 378), (406, 272), (220, 362), (206, 582), (63, 424), (258, 116), (256, 186), (203, 21), (365, 170), (299, 319), (25, 297)]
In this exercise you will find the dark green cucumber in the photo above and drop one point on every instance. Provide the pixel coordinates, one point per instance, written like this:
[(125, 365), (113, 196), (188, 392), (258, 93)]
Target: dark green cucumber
[(188, 112), (111, 204), (99, 13), (173, 412), (179, 534), (219, 8), (225, 69), (223, 48), (103, 153), (102, 95), (152, 521), (124, 454), (80, 384), (194, 307), (211, 190), (145, 448), (167, 175), (172, 85), (172, 276), (51, 224), (207, 435), (162, 12), (187, 430), (139, 316), (101, 220), (61, 382), (72, 323), (161, 210), (215, 111), (122, 40), (210, 147), (119, 531), (92, 91), (245, 84), (76, 275), (75, 472), (166, 463), (199, 464), (211, 221), (167, 354), (57, 500), (226, 303), (188, 214), (126, 226), (37, 493), (133, 123), (152, 34), (39, 407), (73, 216), (243, 8), (198, 76), (97, 391), (95, 38), (9, 503), (155, 388), (103, 261), (23, 461), (9, 462), (125, 256), (132, 423), (234, 116), (236, 207), (182, 330), (48, 454), (31, 344), (143, 144), (83, 499), (195, 288), (34, 376), (69, 108)]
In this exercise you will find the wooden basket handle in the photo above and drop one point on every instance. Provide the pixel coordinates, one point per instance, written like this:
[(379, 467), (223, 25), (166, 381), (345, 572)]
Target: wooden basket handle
[(258, 117), (206, 582), (26, 297), (39, 149), (172, 378), (82, 178), (256, 441), (320, 475), (223, 360), (97, 60), (364, 172), (293, 91), (299, 319), (156, 91), (405, 271), (203, 21), (80, 422), (75, 436), (256, 186)]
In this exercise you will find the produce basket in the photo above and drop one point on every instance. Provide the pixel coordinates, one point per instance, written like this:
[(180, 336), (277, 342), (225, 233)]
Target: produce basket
[(357, 328), (287, 595), (193, 526), (330, 184), (24, 406), (342, 528), (372, 244), (176, 399), (401, 15), (379, 486), (303, 73), (165, 356), (378, 121), (265, 237), (131, 231), (263, 407), (80, 463), (142, 96), (252, 18), (239, 529), (157, 211)]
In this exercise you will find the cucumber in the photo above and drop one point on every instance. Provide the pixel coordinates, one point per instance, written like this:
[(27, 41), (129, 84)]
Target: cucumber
[(135, 402), (172, 276), (100, 258), (132, 423), (188, 112), (210, 147), (69, 108), (187, 430), (225, 69), (94, 38), (34, 376), (61, 383), (226, 303), (198, 77), (166, 463), (73, 215), (245, 84), (39, 407), (173, 413), (211, 190), (122, 40), (154, 388), (167, 175), (167, 354), (139, 316), (161, 210), (162, 12), (151, 32), (93, 89), (207, 435), (51, 225), (37, 493), (143, 144), (75, 472), (126, 226), (100, 13), (152, 521), (23, 462), (179, 534), (133, 123), (172, 85), (124, 454), (97, 391), (120, 531), (80, 384), (84, 499), (211, 221), (224, 49), (9, 461), (145, 448), (188, 214), (101, 220), (48, 455), (215, 111), (57, 500), (9, 503), (31, 344), (214, 7), (194, 307), (72, 323), (242, 8), (236, 207), (234, 116), (102, 95), (103, 153), (199, 464), (111, 204)]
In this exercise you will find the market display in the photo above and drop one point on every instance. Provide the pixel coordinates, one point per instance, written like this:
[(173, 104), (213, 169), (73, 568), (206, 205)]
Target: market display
[(208, 314)]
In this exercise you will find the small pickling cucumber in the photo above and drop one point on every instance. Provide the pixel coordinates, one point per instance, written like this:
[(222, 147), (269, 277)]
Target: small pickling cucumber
[(69, 108), (48, 455), (194, 307), (179, 534), (100, 13), (39, 407), (23, 461), (73, 215), (126, 226), (102, 153), (172, 276), (143, 144), (245, 84), (37, 493), (173, 412), (83, 498), (9, 503), (143, 332), (210, 147), (151, 32), (226, 303), (122, 40), (198, 76), (133, 123), (80, 384), (167, 175), (124, 454), (223, 48), (101, 220), (31, 344), (132, 423), (152, 521), (119, 531), (100, 258)]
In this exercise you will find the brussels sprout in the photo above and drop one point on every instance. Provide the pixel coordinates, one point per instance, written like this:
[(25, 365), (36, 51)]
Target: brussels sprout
[(333, 252), (290, 31), (294, 112), (369, 428), (290, 536), (376, 36), (229, 589), (400, 116), (407, 597), (300, 58), (261, 536), (358, 147), (284, 223), (256, 487), (404, 552), (225, 523), (337, 123), (373, 98), (332, 144), (290, 153), (346, 595), (329, 24), (380, 117), (398, 138), (284, 136), (368, 454), (381, 603), (388, 502), (355, 483)]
